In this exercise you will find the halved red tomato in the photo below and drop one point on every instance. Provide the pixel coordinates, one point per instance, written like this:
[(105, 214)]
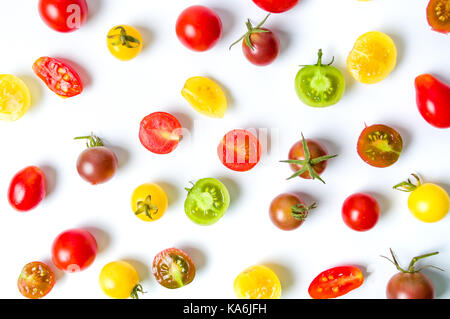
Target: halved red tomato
[(160, 132), (239, 150), (335, 282), (60, 77), (438, 15), (379, 145)]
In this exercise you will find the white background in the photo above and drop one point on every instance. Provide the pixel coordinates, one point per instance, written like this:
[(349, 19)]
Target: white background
[(118, 94)]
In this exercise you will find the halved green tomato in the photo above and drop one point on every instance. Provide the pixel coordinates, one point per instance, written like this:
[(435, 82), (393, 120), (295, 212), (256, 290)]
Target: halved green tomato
[(320, 85), (207, 201)]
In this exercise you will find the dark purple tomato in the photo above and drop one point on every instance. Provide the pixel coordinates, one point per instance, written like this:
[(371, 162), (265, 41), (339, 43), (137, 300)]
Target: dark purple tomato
[(410, 286), (288, 211)]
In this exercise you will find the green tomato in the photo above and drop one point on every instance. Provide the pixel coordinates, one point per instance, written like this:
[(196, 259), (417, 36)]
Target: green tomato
[(207, 201), (320, 85)]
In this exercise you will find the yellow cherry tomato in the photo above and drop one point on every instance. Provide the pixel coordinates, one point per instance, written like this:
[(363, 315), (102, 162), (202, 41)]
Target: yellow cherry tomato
[(15, 98), (372, 58), (149, 202), (257, 282), (124, 42), (205, 96), (120, 280)]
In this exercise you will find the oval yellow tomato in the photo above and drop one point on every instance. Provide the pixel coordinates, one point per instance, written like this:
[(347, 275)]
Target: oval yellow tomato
[(15, 98), (429, 203), (124, 42), (257, 282), (120, 280), (205, 96), (372, 58), (149, 202)]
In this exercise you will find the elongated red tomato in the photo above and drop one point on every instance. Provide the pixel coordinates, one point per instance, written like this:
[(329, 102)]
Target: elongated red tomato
[(63, 15), (160, 132), (239, 150), (433, 100), (276, 6), (335, 282), (60, 77), (27, 188)]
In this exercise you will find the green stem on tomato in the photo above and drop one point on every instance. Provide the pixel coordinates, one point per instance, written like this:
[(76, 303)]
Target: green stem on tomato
[(250, 30), (411, 268), (136, 290), (301, 211), (409, 186), (93, 141)]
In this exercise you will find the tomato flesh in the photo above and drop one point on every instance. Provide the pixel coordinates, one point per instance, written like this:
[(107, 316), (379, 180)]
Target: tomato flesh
[(335, 282), (160, 132), (36, 280), (27, 189), (276, 6), (59, 77), (379, 145), (438, 15), (433, 100), (63, 15), (239, 150), (15, 98), (173, 268)]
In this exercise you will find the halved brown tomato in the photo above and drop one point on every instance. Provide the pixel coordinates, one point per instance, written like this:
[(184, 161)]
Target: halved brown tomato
[(36, 280), (335, 282), (438, 15), (60, 77), (173, 268), (379, 145)]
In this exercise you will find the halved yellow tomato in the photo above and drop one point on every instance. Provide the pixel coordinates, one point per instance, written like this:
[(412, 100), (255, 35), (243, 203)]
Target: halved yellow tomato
[(15, 98), (257, 282), (205, 96), (149, 202), (372, 58)]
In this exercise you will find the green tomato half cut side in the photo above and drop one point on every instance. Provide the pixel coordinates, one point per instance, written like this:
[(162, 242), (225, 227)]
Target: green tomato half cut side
[(207, 201)]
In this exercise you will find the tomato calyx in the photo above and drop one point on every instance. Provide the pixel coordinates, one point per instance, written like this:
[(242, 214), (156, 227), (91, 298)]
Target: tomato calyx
[(146, 207), (250, 30), (136, 291), (301, 211), (124, 39), (307, 164), (319, 60), (411, 267), (93, 141), (408, 185)]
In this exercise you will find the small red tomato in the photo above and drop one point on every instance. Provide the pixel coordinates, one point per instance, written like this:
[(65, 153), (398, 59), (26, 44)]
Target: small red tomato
[(239, 150), (276, 6), (27, 188), (199, 28), (160, 132), (36, 280), (260, 45), (288, 211), (360, 212), (74, 250), (379, 145), (63, 15), (173, 268), (433, 100), (308, 157), (335, 282), (59, 77), (438, 15)]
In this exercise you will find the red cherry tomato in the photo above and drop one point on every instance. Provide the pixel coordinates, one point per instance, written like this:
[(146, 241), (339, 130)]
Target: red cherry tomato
[(335, 282), (59, 77), (360, 212), (27, 189), (239, 150), (160, 132), (276, 6), (36, 280), (74, 250), (433, 100), (199, 28), (63, 15)]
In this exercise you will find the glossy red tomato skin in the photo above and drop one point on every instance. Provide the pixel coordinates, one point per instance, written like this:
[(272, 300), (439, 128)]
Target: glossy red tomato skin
[(239, 150), (74, 250), (266, 48), (433, 100), (27, 188), (345, 278), (150, 132), (410, 286), (280, 211), (360, 212), (59, 77), (36, 280), (276, 6), (63, 15), (316, 149), (199, 28)]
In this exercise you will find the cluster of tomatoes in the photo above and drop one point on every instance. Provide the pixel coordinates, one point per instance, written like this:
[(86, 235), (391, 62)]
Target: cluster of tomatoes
[(199, 28)]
